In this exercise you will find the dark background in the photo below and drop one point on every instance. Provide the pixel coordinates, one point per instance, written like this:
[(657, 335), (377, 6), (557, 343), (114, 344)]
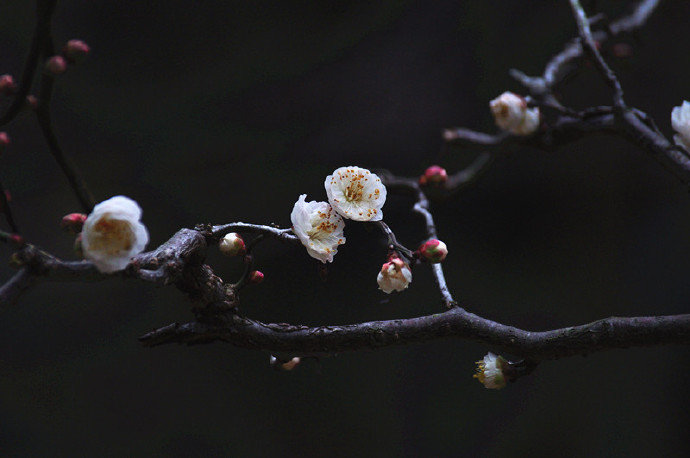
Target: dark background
[(210, 111)]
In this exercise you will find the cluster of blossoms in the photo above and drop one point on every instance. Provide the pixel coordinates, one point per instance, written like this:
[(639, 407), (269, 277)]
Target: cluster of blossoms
[(353, 193), (512, 114)]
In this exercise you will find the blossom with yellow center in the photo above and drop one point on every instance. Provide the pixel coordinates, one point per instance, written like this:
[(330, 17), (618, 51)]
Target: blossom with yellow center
[(490, 371), (318, 227), (113, 234), (356, 193)]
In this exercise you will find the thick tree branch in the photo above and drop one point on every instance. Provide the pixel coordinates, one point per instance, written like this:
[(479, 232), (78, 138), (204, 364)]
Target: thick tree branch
[(597, 336)]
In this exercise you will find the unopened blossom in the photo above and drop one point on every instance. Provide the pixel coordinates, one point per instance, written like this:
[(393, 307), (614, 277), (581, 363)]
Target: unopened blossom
[(434, 250), (490, 371), (434, 175), (511, 113), (256, 277), (356, 193), (7, 85), (113, 234), (232, 245), (395, 275), (56, 65), (75, 50), (319, 227), (680, 120), (74, 222)]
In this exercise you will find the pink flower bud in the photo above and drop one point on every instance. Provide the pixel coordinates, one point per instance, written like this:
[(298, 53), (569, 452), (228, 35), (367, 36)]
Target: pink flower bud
[(434, 175), (75, 50), (232, 245), (395, 275), (7, 85), (31, 102), (56, 65), (73, 222), (256, 277), (433, 251), (4, 140), (17, 239)]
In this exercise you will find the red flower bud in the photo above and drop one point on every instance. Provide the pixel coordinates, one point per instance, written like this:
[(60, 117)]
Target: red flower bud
[(433, 251), (31, 102), (73, 222), (75, 50), (7, 85), (4, 140), (434, 175), (56, 65), (256, 277)]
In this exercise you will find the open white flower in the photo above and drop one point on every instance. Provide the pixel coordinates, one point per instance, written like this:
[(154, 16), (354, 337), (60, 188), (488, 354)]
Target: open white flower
[(318, 227), (356, 193), (511, 113), (680, 120), (490, 372), (112, 234), (395, 275)]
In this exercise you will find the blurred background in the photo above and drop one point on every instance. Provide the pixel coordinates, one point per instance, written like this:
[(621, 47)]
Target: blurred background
[(222, 111)]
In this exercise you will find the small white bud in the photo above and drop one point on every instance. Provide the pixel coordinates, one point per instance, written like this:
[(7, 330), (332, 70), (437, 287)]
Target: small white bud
[(232, 245), (511, 113), (395, 275)]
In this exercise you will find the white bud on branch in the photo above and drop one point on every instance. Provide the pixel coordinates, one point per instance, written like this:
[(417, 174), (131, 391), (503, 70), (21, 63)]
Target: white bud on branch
[(511, 113)]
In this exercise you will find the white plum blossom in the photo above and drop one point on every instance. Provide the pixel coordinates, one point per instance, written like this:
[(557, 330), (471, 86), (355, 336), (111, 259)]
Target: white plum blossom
[(490, 372), (680, 120), (395, 275), (511, 113), (356, 193), (113, 233), (319, 227)]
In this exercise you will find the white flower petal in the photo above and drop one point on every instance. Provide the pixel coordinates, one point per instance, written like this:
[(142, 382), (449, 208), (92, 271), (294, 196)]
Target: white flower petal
[(680, 120), (112, 234), (356, 193), (318, 227)]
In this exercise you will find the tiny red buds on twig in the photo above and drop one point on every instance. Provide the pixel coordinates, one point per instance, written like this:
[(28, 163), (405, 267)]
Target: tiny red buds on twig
[(75, 50), (232, 245), (56, 65), (7, 85), (434, 175), (4, 140), (73, 222), (256, 277), (434, 251)]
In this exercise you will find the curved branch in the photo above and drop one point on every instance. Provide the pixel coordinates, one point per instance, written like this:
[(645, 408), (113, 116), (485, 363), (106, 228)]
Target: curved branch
[(597, 336)]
